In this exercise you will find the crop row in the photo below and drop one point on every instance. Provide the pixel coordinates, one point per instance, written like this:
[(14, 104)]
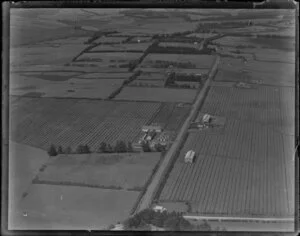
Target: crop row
[(67, 122)]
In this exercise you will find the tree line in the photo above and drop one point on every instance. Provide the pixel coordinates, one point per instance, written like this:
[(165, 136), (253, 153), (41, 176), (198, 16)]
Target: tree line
[(119, 147)]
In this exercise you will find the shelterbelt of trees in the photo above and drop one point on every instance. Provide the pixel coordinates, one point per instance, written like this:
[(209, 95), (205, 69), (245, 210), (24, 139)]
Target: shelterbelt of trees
[(120, 147)]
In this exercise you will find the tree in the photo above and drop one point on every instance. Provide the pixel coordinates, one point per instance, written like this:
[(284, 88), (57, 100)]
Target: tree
[(146, 147), (159, 147), (68, 150), (129, 147), (83, 149), (52, 151), (60, 150), (120, 147), (103, 147), (172, 223), (109, 148)]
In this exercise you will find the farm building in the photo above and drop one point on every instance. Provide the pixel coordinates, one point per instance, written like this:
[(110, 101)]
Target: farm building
[(206, 118), (159, 209), (189, 156), (156, 128)]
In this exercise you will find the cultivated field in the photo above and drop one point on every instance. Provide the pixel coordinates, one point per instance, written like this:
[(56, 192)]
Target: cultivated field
[(122, 47), (69, 122), (108, 39), (121, 76), (248, 164), (72, 208), (249, 167), (116, 171), (105, 58), (177, 44), (200, 61), (157, 94)]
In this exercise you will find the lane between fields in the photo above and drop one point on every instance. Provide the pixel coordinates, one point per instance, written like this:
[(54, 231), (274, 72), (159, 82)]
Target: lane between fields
[(146, 200)]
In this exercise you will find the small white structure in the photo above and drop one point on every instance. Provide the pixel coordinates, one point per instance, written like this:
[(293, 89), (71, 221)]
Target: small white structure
[(156, 128), (159, 209), (206, 118), (189, 156)]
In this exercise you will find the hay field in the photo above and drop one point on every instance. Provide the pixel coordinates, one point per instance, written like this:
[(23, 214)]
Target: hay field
[(157, 94), (124, 171), (74, 208)]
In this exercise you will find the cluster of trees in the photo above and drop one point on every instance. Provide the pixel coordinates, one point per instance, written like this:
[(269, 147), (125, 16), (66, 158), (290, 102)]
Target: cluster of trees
[(120, 147), (170, 221), (170, 82), (54, 151), (157, 147)]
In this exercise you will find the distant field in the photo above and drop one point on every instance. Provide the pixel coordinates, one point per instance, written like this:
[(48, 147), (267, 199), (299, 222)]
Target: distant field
[(157, 94), (201, 35), (69, 122), (151, 76), (200, 61), (273, 73), (124, 171), (72, 88), (122, 47), (265, 105), (109, 58), (147, 83), (44, 54), (176, 44), (122, 76), (73, 208), (108, 39)]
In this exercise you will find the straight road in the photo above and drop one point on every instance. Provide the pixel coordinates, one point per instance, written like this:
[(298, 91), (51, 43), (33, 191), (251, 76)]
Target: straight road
[(146, 200)]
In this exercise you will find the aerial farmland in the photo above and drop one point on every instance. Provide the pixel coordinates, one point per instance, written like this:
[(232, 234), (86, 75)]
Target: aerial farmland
[(178, 113)]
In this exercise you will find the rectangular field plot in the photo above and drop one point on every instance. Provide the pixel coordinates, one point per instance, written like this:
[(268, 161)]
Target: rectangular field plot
[(148, 83), (199, 61), (73, 88), (70, 207), (177, 44), (270, 106), (157, 94), (110, 57), (124, 171), (105, 39), (122, 47), (122, 76), (39, 122), (246, 171)]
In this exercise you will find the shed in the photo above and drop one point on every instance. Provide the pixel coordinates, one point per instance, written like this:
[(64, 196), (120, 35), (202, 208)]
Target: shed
[(206, 118), (189, 156)]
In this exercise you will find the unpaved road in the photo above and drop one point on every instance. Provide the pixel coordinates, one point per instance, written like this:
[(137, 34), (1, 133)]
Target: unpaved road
[(163, 168)]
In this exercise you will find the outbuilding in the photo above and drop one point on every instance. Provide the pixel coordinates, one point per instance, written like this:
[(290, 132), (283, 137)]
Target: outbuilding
[(189, 156)]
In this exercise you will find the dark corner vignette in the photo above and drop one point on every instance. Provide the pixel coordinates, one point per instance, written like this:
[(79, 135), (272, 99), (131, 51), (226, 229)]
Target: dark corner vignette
[(180, 114)]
